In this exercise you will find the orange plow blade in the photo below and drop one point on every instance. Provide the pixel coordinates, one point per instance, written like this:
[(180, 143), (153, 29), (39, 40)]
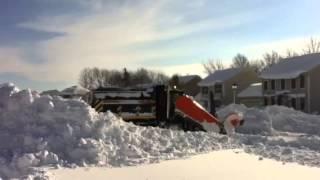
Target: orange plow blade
[(195, 111)]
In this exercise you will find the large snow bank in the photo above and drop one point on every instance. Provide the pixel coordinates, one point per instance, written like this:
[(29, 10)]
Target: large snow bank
[(42, 130), (37, 131), (279, 133), (256, 121), (289, 120), (274, 119)]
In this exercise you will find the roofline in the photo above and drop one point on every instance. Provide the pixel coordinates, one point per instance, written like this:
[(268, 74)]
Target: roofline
[(286, 59), (211, 84), (294, 76)]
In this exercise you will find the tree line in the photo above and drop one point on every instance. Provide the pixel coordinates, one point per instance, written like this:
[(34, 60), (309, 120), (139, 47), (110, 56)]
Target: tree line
[(267, 60), (92, 78)]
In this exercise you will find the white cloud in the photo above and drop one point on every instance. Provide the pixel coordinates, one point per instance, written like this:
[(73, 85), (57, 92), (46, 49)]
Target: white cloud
[(103, 40), (296, 44), (186, 69), (11, 61)]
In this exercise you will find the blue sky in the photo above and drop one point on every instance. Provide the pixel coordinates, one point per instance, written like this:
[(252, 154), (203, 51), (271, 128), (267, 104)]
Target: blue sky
[(44, 44)]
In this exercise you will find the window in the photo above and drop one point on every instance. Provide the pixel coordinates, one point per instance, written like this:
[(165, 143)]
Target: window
[(283, 84), (294, 103), (302, 103), (301, 81), (273, 100), (218, 88), (266, 101), (265, 85), (273, 84), (205, 90), (293, 83)]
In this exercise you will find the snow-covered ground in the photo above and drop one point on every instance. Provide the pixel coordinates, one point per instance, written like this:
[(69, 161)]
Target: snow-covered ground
[(224, 164), (41, 131)]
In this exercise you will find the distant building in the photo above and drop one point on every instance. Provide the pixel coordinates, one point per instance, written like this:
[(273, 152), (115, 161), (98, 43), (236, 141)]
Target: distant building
[(75, 92), (294, 82), (251, 96), (189, 84), (219, 86)]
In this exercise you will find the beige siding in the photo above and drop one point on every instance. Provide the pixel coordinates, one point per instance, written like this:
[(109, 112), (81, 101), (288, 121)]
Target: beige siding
[(314, 89), (243, 79)]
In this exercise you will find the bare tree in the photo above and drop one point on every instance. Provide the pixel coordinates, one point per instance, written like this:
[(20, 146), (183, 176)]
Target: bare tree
[(158, 77), (272, 58), (98, 77), (291, 53), (105, 74), (240, 61), (115, 78), (161, 78), (213, 65), (93, 78), (86, 78), (312, 47), (257, 65), (141, 76)]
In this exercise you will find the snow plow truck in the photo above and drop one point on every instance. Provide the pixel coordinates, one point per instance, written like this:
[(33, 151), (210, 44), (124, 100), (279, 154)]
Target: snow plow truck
[(161, 106)]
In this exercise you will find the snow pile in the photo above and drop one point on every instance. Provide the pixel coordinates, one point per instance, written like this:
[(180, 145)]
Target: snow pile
[(256, 121), (43, 130), (279, 133), (274, 119), (289, 120), (38, 131)]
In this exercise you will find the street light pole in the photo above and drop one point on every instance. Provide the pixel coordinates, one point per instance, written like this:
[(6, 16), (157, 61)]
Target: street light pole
[(234, 88)]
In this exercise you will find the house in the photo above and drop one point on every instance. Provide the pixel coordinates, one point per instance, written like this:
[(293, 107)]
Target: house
[(189, 84), (251, 96), (217, 88), (75, 92), (294, 83)]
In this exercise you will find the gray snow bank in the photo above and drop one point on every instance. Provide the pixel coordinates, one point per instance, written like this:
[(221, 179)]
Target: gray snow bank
[(39, 131)]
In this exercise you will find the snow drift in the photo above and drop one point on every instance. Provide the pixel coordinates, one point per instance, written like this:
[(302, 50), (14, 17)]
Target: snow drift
[(42, 130), (37, 131), (274, 119)]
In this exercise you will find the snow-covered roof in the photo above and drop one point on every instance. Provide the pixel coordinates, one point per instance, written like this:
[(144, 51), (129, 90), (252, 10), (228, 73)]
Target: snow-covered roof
[(254, 90), (53, 92), (292, 67), (74, 90), (220, 76), (124, 94), (187, 78)]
